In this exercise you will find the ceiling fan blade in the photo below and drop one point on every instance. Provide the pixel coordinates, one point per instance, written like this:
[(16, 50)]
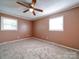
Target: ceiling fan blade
[(21, 3), (33, 2), (38, 10), (34, 13), (25, 10)]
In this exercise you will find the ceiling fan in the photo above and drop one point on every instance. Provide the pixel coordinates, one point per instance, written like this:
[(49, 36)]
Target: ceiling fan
[(30, 6)]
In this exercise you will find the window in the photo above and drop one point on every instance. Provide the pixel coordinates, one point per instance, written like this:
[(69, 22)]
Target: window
[(56, 24), (8, 24)]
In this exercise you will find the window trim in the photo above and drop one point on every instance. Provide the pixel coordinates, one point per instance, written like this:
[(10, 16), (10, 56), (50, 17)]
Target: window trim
[(2, 24), (55, 28)]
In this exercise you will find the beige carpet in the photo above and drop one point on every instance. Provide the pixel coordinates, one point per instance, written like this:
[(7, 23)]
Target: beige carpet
[(35, 49)]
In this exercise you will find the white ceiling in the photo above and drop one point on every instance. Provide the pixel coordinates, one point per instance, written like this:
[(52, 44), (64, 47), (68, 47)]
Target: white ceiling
[(49, 7)]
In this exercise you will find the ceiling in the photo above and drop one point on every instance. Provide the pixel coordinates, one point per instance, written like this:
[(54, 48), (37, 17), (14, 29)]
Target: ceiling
[(49, 6)]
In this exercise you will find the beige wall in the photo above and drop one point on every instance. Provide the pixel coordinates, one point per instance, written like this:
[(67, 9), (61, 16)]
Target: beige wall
[(24, 30), (70, 35), (40, 28)]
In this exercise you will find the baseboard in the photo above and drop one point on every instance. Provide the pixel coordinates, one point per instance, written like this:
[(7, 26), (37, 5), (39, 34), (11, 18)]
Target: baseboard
[(13, 41), (58, 44)]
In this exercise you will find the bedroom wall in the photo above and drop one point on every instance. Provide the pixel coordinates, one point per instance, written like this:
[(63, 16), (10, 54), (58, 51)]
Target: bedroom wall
[(70, 35), (24, 30)]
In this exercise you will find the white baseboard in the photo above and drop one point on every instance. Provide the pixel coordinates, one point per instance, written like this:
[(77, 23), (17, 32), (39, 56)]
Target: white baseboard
[(77, 50), (13, 41)]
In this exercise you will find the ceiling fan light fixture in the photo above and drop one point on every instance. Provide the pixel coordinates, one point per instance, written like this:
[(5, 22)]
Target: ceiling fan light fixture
[(31, 10)]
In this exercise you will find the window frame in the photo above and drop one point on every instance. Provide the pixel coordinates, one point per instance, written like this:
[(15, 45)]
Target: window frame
[(56, 18), (6, 29)]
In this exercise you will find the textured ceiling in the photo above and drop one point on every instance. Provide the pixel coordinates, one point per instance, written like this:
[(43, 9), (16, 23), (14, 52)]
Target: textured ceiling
[(49, 7)]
